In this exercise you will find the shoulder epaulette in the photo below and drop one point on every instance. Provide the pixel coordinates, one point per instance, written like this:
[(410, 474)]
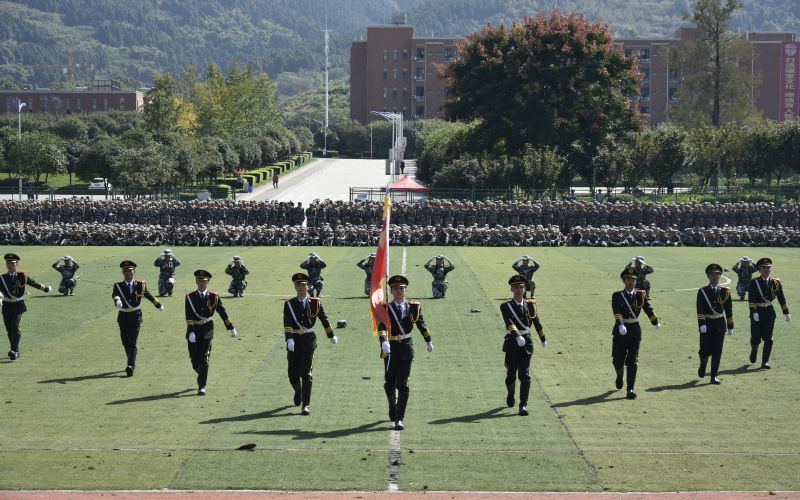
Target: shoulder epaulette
[(506, 302), (313, 298), (724, 287), (213, 293), (776, 280), (415, 302), (530, 301)]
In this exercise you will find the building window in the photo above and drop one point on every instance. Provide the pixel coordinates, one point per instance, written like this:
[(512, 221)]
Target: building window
[(46, 104), (449, 53), (385, 73), (645, 72), (30, 106), (394, 74), (644, 94), (385, 92), (644, 55), (394, 93), (419, 74), (405, 74), (673, 94), (394, 54), (385, 54), (69, 105), (105, 103), (405, 92), (94, 103), (405, 54), (420, 53), (78, 105), (420, 92), (644, 110), (420, 112), (394, 109), (8, 105), (628, 52), (121, 103), (673, 75)]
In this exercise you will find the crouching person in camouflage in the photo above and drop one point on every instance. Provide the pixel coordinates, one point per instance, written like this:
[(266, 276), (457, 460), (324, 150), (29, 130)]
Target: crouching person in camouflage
[(439, 266), (238, 272), (68, 270)]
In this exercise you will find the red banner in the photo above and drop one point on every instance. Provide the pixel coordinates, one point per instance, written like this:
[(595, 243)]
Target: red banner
[(380, 272), (789, 80)]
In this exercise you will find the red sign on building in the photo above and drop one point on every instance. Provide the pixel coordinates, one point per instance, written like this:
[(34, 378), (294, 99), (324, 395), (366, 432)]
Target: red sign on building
[(789, 80)]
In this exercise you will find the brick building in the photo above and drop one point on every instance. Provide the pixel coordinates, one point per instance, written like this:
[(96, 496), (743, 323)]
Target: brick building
[(392, 70), (103, 95)]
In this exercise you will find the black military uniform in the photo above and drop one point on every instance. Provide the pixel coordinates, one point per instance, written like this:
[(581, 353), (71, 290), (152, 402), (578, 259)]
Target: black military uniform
[(397, 349), (627, 334), (760, 294), (519, 318), (200, 308), (714, 319), (67, 271), (127, 296), (12, 289), (366, 265), (299, 317)]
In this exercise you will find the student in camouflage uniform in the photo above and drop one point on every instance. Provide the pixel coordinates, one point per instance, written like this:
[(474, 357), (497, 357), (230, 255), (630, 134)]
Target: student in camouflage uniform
[(642, 270), (439, 266), (314, 266), (166, 263), (366, 264), (68, 270), (238, 272), (744, 269), (12, 296), (526, 266)]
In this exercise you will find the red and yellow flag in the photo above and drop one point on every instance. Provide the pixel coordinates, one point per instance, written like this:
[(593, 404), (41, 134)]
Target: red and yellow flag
[(380, 272)]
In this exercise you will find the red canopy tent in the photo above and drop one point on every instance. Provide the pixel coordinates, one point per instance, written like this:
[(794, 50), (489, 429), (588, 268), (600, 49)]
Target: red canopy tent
[(407, 184)]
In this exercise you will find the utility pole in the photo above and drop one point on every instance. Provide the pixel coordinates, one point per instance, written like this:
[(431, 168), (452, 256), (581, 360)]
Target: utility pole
[(327, 65)]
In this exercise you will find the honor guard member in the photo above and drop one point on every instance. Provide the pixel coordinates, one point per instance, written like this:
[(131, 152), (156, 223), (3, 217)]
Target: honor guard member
[(12, 296), (397, 349), (201, 305), (166, 263), (519, 316), (714, 319), (68, 270), (642, 270), (762, 291), (366, 264), (439, 266), (626, 305), (314, 266), (526, 266), (238, 273), (744, 269), (127, 295), (299, 316)]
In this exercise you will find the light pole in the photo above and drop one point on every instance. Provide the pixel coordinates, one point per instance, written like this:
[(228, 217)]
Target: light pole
[(398, 142), (20, 105)]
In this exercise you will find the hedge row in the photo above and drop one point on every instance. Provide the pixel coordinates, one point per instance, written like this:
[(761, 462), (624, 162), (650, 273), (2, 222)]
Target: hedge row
[(259, 176)]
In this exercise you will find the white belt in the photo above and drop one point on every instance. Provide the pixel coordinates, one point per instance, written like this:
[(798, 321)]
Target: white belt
[(714, 316), (201, 321), (398, 338), (630, 321), (130, 309), (764, 304), (13, 299), (302, 331)]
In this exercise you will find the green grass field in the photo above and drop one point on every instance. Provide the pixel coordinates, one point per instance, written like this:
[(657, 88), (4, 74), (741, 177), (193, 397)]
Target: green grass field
[(70, 419)]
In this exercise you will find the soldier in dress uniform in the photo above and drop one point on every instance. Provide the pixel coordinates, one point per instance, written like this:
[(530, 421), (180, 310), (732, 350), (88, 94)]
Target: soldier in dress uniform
[(526, 266), (626, 305), (519, 316), (744, 269), (12, 296), (397, 348), (366, 264), (762, 291), (238, 272), (67, 270), (127, 295), (300, 313), (642, 270), (201, 305), (314, 266), (166, 263), (714, 320), (439, 266)]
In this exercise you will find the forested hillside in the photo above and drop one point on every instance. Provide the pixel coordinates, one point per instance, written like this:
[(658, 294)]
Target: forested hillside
[(67, 41)]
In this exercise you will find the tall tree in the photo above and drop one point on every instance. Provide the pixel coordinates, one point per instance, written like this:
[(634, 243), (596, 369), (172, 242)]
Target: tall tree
[(161, 104), (546, 81), (39, 153), (716, 68)]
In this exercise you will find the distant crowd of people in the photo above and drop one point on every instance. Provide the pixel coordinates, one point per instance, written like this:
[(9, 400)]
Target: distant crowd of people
[(566, 214)]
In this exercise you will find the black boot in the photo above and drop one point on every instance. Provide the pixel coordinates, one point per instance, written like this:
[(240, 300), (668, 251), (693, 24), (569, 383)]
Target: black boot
[(765, 354), (618, 381), (510, 388), (392, 399), (306, 392), (753, 352), (297, 395), (402, 402), (701, 372), (632, 369), (524, 390)]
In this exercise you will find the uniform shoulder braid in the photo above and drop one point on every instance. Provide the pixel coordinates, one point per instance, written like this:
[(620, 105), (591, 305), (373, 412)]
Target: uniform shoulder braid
[(530, 301)]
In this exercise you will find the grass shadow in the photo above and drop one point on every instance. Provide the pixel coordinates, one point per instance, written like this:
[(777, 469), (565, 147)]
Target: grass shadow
[(252, 416), (154, 397), (742, 369), (591, 400), (303, 434), (676, 387), (475, 417), (82, 378)]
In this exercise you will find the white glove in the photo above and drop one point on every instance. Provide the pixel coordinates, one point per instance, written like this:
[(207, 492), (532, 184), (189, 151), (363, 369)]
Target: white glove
[(290, 345), (192, 338), (429, 346), (385, 347), (703, 329), (334, 340), (118, 303), (658, 326), (755, 317), (622, 330), (730, 332), (544, 344), (160, 308), (47, 289), (788, 317), (520, 340), (233, 333)]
